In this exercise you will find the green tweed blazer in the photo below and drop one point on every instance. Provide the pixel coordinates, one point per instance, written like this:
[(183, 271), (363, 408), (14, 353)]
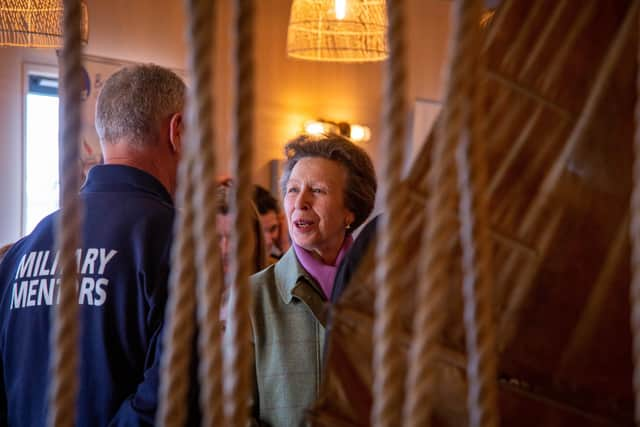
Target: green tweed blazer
[(288, 322)]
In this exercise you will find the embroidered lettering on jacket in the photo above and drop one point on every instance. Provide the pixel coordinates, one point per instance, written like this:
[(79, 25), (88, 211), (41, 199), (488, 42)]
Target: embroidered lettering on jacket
[(37, 280)]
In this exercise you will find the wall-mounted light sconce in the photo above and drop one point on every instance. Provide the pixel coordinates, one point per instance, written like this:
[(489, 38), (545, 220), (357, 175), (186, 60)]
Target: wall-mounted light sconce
[(357, 133)]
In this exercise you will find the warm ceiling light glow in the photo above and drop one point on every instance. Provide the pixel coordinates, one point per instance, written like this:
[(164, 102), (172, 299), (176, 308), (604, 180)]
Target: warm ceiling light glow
[(359, 133), (315, 128), (320, 30), (356, 133), (341, 9)]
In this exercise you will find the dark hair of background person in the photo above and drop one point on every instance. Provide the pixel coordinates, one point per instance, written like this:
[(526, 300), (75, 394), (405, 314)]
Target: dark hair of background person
[(361, 185), (264, 200)]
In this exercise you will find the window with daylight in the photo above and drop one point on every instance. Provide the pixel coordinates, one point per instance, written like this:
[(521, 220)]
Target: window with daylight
[(41, 182)]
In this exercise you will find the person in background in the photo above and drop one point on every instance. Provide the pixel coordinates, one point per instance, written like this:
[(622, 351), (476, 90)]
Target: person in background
[(224, 228), (275, 236), (123, 266), (329, 188)]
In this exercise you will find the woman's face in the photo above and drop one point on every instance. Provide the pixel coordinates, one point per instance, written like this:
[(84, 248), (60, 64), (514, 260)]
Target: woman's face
[(314, 206)]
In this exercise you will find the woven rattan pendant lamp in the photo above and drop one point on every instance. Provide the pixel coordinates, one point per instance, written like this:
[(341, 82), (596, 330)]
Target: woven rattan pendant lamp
[(35, 23), (338, 30)]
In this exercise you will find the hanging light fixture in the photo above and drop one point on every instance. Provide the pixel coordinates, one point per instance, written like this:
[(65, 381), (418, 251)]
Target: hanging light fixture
[(35, 23), (338, 30)]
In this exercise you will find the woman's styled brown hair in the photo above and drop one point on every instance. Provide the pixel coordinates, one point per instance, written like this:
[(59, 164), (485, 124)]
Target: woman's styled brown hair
[(361, 185)]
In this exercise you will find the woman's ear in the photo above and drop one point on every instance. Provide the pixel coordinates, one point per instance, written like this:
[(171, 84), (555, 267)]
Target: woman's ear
[(176, 129)]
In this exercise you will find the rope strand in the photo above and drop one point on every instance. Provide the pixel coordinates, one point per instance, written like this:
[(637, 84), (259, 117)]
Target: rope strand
[(201, 13), (436, 248), (388, 362), (179, 322), (64, 334), (238, 360), (474, 235)]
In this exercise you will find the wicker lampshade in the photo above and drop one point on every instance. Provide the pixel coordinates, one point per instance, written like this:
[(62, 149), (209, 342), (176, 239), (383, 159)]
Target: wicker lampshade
[(338, 30), (35, 23)]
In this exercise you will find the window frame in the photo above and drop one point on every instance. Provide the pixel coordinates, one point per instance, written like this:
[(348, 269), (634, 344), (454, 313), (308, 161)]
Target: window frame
[(29, 69)]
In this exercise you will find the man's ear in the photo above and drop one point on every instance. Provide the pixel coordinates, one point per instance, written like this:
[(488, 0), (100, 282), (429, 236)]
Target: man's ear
[(176, 130)]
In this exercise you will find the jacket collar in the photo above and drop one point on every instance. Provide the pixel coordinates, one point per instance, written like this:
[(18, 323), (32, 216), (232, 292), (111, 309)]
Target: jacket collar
[(294, 282), (105, 178)]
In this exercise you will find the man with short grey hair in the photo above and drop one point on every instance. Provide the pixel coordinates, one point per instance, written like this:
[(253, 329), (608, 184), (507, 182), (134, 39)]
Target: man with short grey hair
[(139, 107), (123, 265)]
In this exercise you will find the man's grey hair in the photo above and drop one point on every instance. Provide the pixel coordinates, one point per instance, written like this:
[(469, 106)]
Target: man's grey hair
[(135, 100)]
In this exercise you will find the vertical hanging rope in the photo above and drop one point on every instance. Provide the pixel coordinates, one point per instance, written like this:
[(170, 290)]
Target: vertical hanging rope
[(388, 362), (64, 334), (438, 237), (201, 19), (238, 359), (179, 323), (635, 242), (474, 230)]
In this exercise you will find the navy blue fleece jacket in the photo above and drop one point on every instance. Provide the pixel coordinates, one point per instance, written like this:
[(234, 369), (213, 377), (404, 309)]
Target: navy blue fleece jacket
[(123, 265)]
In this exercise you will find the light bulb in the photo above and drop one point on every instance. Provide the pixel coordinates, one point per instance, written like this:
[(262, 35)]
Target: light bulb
[(314, 128), (341, 9), (359, 133)]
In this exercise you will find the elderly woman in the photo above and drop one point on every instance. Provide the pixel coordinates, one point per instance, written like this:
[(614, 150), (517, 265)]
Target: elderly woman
[(329, 188)]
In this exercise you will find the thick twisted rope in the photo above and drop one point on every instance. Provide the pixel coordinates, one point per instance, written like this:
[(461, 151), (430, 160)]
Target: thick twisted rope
[(388, 362), (238, 359), (179, 320), (474, 230), (201, 15), (438, 238), (64, 334), (635, 249)]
